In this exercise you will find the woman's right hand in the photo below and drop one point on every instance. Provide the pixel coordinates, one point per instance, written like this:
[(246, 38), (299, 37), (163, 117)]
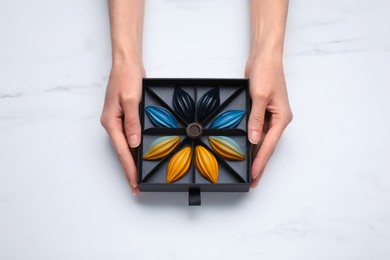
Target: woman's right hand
[(120, 116)]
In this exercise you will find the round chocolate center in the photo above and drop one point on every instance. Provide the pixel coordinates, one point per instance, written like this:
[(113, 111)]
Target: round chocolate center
[(194, 130)]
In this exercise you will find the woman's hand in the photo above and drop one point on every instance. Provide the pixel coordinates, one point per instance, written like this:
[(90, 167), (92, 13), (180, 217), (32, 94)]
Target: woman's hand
[(120, 115), (270, 113)]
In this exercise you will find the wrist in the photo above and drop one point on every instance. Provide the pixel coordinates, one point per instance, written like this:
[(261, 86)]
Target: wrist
[(125, 66), (271, 51), (265, 60), (128, 64), (269, 57), (125, 57)]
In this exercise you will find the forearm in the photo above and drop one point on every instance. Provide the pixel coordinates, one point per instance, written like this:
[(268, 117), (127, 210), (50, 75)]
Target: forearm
[(126, 24), (268, 23)]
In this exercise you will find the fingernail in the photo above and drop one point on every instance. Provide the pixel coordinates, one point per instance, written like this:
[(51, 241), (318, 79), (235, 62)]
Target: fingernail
[(134, 141), (134, 186), (255, 176), (254, 137)]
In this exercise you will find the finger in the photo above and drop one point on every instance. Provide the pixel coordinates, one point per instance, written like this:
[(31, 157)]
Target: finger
[(248, 70), (256, 147), (123, 151), (256, 119), (131, 122), (136, 191), (266, 149), (256, 181)]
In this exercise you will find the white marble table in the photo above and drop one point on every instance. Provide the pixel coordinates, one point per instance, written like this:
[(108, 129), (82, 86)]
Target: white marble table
[(326, 191)]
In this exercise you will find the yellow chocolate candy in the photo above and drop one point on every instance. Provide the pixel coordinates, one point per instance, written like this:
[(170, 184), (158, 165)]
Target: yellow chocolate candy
[(179, 164), (227, 148), (206, 163), (161, 147)]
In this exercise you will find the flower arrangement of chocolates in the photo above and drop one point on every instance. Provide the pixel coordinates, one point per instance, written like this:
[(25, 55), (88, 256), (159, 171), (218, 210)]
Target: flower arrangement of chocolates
[(194, 135)]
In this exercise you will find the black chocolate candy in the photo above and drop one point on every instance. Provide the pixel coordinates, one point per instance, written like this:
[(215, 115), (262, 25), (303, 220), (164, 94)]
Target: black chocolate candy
[(184, 105), (207, 104)]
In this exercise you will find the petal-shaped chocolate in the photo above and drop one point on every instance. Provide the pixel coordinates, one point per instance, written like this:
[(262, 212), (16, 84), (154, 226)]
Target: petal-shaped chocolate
[(160, 117), (227, 148), (228, 119), (206, 164), (183, 105), (161, 147), (179, 164), (207, 104)]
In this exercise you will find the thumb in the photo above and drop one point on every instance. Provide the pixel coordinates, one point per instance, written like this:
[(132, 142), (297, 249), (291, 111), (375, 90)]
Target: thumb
[(131, 123), (256, 120)]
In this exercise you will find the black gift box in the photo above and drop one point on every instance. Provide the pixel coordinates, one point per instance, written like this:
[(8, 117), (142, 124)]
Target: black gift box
[(194, 110)]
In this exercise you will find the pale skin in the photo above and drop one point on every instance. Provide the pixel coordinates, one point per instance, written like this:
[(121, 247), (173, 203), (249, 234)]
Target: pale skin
[(270, 112)]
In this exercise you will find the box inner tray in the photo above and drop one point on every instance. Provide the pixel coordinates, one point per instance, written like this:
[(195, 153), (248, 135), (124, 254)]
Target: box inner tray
[(233, 175)]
